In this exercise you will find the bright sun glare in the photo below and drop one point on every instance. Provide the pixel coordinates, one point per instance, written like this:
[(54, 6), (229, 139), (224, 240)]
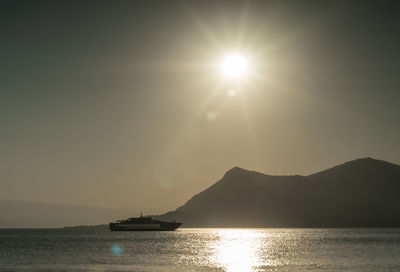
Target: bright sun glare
[(235, 66)]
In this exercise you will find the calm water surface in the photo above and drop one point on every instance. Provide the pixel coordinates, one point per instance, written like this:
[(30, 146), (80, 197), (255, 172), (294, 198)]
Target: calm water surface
[(201, 250)]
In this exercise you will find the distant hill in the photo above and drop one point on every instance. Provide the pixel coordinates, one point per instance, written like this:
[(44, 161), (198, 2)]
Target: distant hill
[(27, 214), (359, 193)]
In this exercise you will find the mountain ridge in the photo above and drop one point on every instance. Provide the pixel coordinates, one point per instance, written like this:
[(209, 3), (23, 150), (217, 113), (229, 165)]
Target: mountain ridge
[(357, 193)]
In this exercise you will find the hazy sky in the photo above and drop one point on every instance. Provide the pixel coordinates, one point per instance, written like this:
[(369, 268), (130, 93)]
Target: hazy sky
[(121, 103)]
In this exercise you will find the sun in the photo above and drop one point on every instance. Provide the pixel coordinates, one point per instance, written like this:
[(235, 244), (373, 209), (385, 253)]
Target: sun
[(234, 66)]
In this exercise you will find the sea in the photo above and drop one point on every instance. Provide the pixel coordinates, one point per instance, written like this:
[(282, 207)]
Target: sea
[(200, 250)]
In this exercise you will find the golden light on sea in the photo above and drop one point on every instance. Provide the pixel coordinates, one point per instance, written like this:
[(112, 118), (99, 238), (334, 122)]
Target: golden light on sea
[(238, 250)]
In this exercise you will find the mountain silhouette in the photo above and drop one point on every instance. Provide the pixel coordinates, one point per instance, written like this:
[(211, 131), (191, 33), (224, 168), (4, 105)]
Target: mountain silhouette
[(359, 193)]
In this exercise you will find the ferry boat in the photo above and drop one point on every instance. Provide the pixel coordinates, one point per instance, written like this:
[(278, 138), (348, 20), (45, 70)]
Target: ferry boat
[(143, 223)]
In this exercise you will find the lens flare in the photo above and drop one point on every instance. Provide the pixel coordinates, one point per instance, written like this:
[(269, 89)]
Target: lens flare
[(231, 93), (211, 116), (116, 250)]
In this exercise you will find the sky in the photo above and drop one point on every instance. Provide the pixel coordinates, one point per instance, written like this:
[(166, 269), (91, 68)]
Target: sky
[(122, 104)]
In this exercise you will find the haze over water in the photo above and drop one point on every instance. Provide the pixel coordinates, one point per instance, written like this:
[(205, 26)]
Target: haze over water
[(201, 250)]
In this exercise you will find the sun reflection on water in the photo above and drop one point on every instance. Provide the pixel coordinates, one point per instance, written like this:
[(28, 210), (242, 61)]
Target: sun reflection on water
[(239, 250)]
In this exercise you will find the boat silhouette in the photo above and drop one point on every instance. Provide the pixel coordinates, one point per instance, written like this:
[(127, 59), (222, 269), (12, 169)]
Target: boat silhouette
[(143, 223)]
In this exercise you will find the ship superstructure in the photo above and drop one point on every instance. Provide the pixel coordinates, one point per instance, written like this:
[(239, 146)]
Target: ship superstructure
[(143, 223)]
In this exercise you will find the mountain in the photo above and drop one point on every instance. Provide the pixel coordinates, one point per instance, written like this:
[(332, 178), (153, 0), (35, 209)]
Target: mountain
[(359, 193), (28, 214)]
